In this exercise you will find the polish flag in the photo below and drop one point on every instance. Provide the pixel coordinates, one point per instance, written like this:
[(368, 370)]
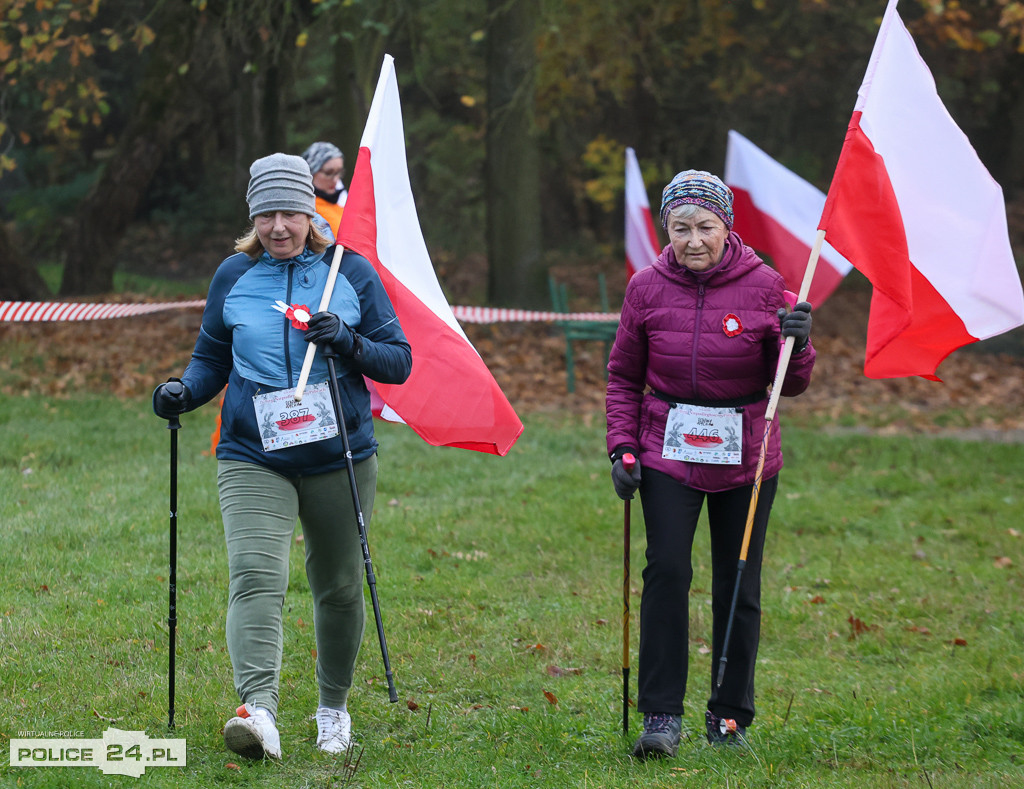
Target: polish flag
[(777, 213), (641, 238), (914, 209), (451, 398)]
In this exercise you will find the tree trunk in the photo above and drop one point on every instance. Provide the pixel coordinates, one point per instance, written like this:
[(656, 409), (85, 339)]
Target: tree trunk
[(512, 169), (18, 280), (346, 105), (169, 101)]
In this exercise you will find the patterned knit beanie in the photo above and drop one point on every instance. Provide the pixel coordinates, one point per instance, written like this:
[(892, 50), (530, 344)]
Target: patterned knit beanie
[(699, 188), (280, 182), (319, 153)]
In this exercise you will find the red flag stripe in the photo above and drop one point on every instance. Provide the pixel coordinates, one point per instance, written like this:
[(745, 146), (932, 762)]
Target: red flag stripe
[(911, 328), (789, 254)]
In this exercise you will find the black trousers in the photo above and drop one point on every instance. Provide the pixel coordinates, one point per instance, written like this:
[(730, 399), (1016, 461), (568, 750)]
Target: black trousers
[(671, 511)]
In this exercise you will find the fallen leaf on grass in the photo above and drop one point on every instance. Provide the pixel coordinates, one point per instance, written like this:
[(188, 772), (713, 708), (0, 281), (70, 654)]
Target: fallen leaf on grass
[(816, 600), (858, 628), (232, 766), (924, 631), (1003, 561), (1013, 532), (558, 671), (958, 642), (551, 697), (412, 705)]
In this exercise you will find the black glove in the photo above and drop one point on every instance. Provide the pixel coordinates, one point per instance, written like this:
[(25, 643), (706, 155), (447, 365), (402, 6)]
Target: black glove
[(326, 328), (797, 324), (171, 399), (625, 482)]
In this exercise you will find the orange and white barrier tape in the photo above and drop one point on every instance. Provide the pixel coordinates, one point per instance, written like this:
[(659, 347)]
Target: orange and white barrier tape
[(43, 311)]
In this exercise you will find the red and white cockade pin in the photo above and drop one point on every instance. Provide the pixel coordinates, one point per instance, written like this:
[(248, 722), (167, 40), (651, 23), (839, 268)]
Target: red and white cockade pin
[(731, 325), (298, 314)]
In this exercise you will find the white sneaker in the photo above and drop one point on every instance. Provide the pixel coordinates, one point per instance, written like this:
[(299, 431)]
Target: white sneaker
[(252, 733), (333, 730)]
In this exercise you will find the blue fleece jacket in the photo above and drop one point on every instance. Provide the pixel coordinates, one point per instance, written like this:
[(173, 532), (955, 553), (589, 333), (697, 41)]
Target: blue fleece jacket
[(248, 344)]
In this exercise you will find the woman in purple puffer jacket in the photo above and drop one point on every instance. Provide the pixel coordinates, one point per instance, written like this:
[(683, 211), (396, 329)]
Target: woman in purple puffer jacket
[(697, 348)]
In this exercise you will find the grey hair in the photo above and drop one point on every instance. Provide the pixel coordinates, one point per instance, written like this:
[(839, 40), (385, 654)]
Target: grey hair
[(688, 210)]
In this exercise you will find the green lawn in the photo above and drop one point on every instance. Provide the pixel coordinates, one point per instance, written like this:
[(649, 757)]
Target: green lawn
[(891, 652)]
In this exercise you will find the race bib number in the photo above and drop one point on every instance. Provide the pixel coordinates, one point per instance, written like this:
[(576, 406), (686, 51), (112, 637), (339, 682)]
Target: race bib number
[(698, 434), (285, 423)]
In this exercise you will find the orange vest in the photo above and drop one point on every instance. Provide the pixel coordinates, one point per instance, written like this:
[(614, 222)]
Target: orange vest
[(331, 212)]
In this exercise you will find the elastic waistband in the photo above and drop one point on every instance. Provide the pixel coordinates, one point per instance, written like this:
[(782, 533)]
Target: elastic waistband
[(735, 402)]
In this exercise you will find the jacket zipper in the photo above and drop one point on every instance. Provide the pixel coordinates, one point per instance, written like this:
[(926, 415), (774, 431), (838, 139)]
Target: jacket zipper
[(696, 339), (285, 323)]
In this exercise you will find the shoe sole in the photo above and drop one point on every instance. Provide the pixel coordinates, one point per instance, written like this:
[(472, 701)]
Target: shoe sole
[(242, 740), (330, 747), (654, 750)]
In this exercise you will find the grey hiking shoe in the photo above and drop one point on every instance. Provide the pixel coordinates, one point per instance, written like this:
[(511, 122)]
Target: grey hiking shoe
[(724, 731), (660, 736)]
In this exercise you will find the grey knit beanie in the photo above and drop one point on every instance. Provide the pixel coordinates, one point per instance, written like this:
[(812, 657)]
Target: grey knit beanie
[(319, 153), (280, 182)]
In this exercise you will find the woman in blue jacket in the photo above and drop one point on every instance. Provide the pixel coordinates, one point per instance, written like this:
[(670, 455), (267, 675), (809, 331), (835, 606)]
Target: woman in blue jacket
[(278, 461)]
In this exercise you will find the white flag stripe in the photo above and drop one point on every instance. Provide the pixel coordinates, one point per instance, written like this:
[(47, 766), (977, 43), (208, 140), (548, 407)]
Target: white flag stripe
[(776, 190), (640, 252), (401, 248), (940, 184)]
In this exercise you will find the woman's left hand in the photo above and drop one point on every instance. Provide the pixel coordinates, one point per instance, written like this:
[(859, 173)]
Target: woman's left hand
[(326, 328), (797, 324)]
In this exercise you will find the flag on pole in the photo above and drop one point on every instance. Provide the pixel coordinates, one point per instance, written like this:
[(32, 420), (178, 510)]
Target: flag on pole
[(451, 398), (777, 213), (642, 246), (913, 208)]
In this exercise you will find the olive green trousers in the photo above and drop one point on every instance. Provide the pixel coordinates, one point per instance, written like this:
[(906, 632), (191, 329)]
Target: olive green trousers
[(260, 509)]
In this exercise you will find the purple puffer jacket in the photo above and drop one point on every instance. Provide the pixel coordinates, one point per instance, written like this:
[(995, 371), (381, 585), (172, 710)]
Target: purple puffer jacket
[(672, 339)]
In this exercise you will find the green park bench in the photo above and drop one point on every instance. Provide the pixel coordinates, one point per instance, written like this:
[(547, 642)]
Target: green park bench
[(575, 330)]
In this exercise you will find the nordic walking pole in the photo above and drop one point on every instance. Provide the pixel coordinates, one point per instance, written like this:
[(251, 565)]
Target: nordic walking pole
[(628, 462), (174, 425), (371, 579), (325, 300), (769, 417)]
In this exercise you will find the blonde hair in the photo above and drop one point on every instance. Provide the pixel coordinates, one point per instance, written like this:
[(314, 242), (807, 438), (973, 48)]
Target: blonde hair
[(250, 243)]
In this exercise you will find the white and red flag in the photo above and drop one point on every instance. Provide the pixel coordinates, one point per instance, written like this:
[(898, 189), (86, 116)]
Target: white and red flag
[(641, 238), (913, 208), (777, 213), (451, 398)]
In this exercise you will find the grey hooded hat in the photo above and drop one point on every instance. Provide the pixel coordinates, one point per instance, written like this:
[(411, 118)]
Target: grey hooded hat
[(280, 182)]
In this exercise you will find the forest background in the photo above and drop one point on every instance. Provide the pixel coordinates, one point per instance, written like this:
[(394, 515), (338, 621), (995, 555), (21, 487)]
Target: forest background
[(127, 128)]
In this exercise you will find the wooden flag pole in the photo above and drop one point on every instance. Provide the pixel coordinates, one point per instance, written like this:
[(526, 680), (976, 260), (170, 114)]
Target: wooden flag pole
[(325, 300), (769, 418)]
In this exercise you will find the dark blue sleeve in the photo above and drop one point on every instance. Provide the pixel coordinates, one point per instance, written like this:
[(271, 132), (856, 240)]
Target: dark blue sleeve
[(384, 354), (211, 363)]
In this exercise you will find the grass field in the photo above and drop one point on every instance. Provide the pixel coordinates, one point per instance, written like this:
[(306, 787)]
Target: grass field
[(891, 652)]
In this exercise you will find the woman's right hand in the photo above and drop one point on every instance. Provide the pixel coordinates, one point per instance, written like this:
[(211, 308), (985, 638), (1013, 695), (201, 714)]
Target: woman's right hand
[(626, 481)]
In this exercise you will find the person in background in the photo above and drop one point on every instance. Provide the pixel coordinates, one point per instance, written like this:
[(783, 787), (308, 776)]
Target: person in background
[(327, 163), (254, 334), (696, 350)]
